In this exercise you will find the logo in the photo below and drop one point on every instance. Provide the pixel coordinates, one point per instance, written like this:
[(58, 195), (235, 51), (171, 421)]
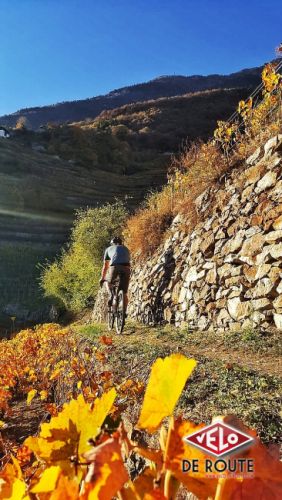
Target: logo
[(219, 439)]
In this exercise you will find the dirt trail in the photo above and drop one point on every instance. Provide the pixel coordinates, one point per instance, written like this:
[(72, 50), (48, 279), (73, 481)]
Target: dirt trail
[(261, 354)]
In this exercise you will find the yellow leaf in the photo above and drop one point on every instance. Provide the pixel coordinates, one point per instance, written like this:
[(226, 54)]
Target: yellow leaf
[(43, 395), (167, 380), (48, 480), (67, 434), (18, 490), (3, 425), (79, 384), (31, 394)]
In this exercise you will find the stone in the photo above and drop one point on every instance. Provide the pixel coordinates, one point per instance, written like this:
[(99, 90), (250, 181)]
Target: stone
[(191, 275), (233, 244), (221, 303), (253, 174), (208, 265), (237, 309), (278, 320), (234, 280), (262, 303), (184, 306), (207, 244), (279, 288), (247, 193), (252, 245), (266, 182), (256, 220), (254, 157), (220, 234), (263, 288), (277, 224), (257, 317), (235, 291), (254, 273), (273, 236), (192, 313), (263, 257), (203, 323), (224, 271), (176, 292), (168, 314), (276, 191), (182, 295), (251, 231), (234, 258), (235, 226), (195, 245), (275, 274), (222, 317), (276, 251), (211, 276), (270, 145), (218, 246), (277, 303)]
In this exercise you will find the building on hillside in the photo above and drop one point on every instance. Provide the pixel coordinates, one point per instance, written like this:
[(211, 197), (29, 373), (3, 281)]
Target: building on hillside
[(4, 133)]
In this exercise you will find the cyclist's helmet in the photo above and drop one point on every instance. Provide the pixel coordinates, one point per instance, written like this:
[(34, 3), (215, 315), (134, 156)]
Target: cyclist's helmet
[(116, 241)]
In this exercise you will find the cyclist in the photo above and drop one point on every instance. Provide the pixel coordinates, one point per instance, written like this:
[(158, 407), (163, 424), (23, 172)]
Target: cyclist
[(116, 262)]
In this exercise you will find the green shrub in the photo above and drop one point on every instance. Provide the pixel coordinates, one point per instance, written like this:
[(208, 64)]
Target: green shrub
[(73, 278)]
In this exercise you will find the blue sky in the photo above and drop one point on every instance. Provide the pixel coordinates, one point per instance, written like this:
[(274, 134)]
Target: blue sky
[(57, 50)]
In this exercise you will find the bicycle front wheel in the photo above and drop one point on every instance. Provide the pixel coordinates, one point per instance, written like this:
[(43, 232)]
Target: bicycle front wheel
[(120, 314)]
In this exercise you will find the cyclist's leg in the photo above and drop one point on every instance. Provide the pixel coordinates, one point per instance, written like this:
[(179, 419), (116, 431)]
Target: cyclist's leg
[(125, 276), (110, 278)]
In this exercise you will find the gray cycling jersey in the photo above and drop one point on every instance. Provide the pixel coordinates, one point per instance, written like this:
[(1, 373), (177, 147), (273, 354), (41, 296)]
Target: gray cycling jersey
[(117, 254)]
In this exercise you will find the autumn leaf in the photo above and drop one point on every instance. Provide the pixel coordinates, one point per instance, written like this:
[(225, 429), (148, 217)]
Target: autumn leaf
[(67, 434), (43, 395), (267, 480), (106, 340), (179, 450), (166, 382), (12, 486), (66, 489), (107, 473), (143, 487), (48, 480), (31, 394), (18, 490)]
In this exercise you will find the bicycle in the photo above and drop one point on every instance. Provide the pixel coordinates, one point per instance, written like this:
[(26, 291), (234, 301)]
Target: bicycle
[(116, 312)]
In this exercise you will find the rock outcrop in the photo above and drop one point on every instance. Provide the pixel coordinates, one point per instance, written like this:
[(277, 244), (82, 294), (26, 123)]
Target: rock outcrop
[(227, 273)]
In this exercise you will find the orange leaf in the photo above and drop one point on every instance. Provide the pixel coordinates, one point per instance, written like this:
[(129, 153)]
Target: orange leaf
[(106, 474), (66, 490), (178, 450), (106, 340), (143, 487)]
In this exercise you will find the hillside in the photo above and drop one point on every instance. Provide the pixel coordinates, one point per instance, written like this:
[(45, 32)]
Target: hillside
[(166, 86), (46, 176)]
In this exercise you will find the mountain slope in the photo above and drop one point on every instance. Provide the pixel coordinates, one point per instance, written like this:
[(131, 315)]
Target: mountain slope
[(166, 86), (45, 177)]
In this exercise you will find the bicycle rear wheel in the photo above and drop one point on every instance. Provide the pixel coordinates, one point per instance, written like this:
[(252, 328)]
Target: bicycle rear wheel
[(120, 314), (111, 319)]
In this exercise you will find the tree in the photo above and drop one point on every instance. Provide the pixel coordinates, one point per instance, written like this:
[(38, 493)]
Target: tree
[(73, 278), (22, 123)]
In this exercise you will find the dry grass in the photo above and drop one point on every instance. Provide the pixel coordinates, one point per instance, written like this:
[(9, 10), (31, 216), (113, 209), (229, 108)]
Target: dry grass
[(145, 229)]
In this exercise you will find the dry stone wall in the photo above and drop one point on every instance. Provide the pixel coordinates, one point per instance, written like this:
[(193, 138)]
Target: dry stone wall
[(228, 272)]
